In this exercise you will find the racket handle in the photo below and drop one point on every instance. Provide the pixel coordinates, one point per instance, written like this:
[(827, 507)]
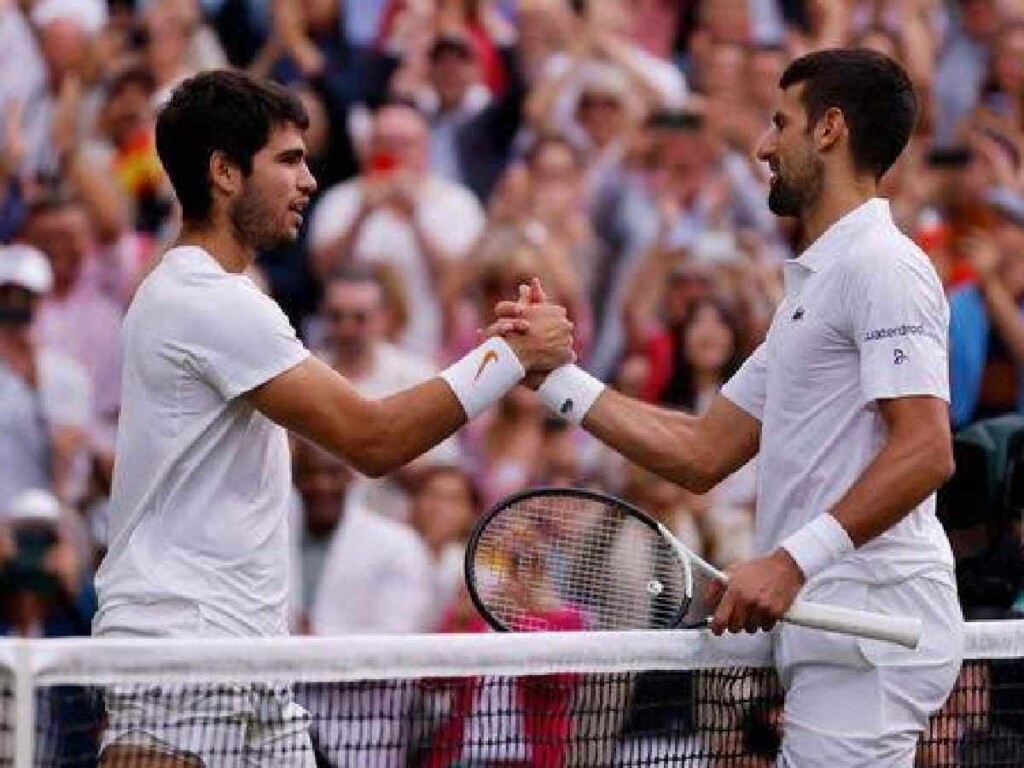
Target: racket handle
[(903, 630)]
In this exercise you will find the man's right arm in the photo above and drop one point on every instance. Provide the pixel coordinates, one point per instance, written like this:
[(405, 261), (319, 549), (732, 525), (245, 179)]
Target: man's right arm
[(375, 436), (378, 436), (696, 452)]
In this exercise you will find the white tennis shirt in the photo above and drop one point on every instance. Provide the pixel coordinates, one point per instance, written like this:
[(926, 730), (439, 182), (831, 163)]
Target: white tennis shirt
[(864, 319), (198, 542)]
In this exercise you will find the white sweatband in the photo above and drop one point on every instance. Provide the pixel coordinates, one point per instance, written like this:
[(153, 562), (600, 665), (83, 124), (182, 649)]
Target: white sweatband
[(569, 391), (484, 376), (818, 545)]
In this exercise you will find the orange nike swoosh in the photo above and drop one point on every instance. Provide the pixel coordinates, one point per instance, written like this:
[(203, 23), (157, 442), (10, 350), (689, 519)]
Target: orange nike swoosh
[(490, 356)]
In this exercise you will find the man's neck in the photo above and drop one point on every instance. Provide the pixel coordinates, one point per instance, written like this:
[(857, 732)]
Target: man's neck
[(221, 243), (834, 204)]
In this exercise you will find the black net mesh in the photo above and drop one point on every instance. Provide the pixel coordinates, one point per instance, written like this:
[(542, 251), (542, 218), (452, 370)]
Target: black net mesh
[(722, 717), (6, 722)]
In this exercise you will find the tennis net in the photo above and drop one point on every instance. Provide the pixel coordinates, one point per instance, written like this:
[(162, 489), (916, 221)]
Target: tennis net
[(547, 700)]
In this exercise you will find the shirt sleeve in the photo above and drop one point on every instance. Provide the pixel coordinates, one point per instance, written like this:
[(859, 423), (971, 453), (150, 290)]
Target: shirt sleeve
[(748, 385), (238, 338), (900, 322)]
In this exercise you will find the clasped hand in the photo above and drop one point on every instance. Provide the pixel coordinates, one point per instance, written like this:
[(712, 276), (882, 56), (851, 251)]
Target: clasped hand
[(539, 332)]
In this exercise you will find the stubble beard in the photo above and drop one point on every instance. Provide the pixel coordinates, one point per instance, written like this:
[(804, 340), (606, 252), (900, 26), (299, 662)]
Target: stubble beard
[(253, 220), (793, 194)]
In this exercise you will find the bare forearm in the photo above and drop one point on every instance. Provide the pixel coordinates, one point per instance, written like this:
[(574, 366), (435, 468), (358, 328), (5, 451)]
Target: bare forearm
[(392, 432), (375, 436), (901, 476), (665, 442)]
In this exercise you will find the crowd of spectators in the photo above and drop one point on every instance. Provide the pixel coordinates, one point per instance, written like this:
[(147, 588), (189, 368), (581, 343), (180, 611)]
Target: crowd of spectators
[(461, 147)]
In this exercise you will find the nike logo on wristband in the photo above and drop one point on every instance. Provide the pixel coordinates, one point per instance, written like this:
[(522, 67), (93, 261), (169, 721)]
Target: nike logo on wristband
[(490, 356)]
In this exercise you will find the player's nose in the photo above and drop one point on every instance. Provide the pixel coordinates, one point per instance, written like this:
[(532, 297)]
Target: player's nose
[(307, 182)]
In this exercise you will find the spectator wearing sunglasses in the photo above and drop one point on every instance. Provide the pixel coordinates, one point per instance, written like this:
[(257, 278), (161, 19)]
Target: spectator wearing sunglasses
[(354, 323)]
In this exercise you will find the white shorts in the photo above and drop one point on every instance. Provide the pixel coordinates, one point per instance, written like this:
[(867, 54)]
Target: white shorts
[(221, 726), (859, 703)]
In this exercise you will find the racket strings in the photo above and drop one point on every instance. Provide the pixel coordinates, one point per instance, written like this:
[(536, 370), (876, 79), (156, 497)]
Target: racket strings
[(555, 563)]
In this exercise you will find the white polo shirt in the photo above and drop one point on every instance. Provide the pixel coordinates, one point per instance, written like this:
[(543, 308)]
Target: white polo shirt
[(864, 319)]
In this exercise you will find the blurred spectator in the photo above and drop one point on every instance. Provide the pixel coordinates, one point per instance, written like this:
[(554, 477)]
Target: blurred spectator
[(125, 145), (46, 589), (962, 65), (76, 318), (504, 444), (175, 44), (683, 196), (706, 352), (471, 127), (445, 503), (45, 411), (56, 73), (354, 323), (399, 214), (375, 576), (986, 322)]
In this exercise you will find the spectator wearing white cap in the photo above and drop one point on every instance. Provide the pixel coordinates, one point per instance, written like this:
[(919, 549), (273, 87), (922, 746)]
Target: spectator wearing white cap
[(44, 397)]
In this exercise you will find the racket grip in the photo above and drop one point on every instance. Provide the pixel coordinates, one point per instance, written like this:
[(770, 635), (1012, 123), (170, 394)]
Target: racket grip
[(902, 630)]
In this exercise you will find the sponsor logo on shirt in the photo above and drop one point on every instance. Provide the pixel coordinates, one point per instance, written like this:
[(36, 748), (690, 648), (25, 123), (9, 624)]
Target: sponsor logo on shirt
[(490, 356), (895, 331)]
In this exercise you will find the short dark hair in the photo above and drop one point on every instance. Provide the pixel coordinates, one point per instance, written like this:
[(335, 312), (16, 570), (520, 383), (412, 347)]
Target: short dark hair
[(873, 92), (218, 111)]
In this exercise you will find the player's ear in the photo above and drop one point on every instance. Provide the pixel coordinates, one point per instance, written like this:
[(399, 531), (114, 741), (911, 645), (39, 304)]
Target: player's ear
[(225, 175), (830, 128)]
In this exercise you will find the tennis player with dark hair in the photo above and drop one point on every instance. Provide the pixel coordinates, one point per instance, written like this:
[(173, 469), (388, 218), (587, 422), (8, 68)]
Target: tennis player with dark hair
[(198, 539), (846, 404)]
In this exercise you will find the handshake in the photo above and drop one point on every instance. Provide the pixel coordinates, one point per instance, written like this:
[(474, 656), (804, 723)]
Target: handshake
[(539, 333)]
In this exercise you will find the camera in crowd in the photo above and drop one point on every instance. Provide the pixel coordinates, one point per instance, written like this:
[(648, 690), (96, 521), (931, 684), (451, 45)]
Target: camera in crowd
[(31, 525)]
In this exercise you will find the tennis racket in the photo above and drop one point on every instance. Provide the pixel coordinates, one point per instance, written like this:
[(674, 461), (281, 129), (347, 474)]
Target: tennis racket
[(553, 559)]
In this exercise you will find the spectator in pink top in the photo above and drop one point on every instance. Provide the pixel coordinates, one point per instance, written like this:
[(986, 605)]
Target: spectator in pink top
[(76, 318)]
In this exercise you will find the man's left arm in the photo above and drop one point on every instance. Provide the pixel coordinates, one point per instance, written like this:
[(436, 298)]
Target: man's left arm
[(915, 460)]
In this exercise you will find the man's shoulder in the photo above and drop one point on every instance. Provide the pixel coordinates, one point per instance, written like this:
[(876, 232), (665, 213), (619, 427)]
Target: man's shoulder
[(189, 294), (886, 253)]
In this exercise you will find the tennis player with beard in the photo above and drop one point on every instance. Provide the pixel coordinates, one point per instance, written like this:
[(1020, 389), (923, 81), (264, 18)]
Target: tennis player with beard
[(213, 375), (846, 403)]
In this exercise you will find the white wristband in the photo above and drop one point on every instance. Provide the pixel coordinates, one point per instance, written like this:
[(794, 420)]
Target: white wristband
[(484, 376), (569, 391), (818, 545)]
